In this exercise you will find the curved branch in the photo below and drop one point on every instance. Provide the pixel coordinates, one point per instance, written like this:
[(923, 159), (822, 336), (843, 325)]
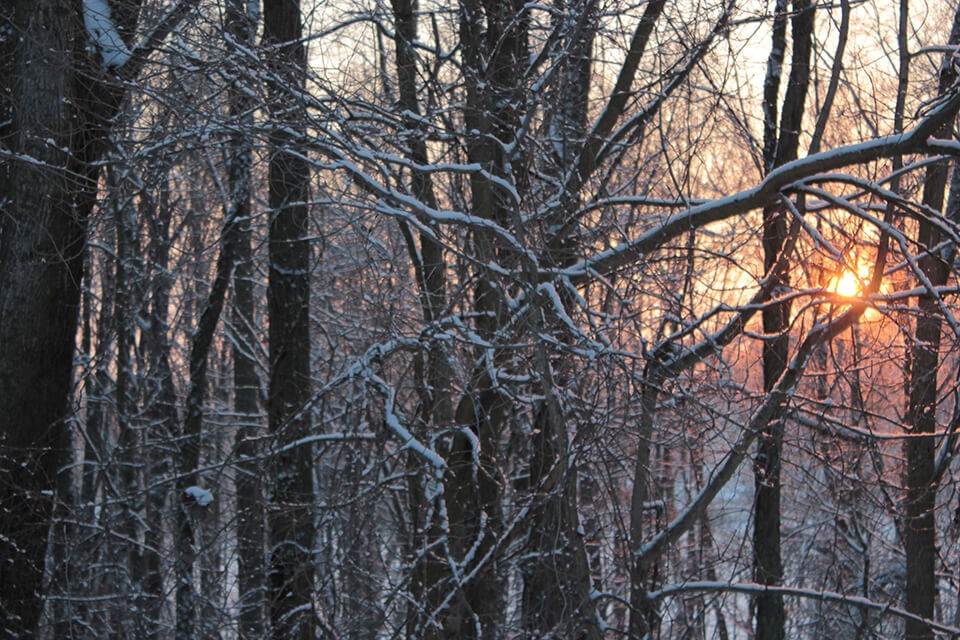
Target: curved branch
[(856, 601), (917, 140)]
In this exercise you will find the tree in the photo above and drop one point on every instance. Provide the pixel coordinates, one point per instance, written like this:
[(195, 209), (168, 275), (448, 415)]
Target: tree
[(920, 537), (291, 525), (61, 118), (779, 147), (240, 25)]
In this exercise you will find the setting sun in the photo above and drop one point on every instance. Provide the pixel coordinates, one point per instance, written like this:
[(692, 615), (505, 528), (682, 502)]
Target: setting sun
[(846, 284)]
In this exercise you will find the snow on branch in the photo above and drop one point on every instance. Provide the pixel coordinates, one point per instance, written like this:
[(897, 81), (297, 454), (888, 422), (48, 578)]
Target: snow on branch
[(774, 405), (917, 140), (103, 34), (198, 496), (827, 596)]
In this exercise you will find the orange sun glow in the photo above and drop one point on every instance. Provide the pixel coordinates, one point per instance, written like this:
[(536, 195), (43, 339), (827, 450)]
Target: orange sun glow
[(846, 284)]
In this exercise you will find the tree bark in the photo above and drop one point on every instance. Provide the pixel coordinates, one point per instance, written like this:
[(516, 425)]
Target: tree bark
[(241, 25), (291, 525), (920, 532), (779, 148), (41, 264)]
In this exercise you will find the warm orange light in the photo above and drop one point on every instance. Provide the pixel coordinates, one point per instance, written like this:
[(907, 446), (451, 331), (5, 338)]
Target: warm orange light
[(846, 284)]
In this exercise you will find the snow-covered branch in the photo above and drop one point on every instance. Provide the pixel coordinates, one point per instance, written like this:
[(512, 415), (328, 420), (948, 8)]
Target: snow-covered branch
[(882, 609), (917, 140)]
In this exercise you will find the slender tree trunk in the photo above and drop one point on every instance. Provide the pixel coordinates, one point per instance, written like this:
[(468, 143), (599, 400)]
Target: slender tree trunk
[(643, 618), (291, 526), (920, 533), (161, 406), (779, 148), (435, 376), (241, 24)]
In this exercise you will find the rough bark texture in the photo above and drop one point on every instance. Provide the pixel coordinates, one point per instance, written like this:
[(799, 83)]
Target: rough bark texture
[(41, 260), (291, 526)]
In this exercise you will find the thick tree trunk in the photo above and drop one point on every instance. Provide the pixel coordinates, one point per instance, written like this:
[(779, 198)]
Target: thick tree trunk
[(63, 102), (291, 525), (556, 578), (41, 264)]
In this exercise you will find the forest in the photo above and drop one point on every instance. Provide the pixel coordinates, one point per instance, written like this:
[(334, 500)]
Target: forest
[(480, 319)]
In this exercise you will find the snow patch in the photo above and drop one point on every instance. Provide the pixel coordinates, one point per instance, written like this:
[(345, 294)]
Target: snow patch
[(198, 495), (103, 34)]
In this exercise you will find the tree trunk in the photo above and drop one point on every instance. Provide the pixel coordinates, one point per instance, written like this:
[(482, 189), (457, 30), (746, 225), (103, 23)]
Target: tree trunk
[(779, 148), (241, 25), (161, 408), (920, 533), (41, 264), (557, 580), (291, 525), (63, 96), (434, 378)]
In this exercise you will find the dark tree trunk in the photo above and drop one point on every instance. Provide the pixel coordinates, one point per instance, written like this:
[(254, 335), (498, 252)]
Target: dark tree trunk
[(291, 526), (779, 148), (556, 586), (428, 573), (63, 102), (41, 264), (920, 533), (557, 581)]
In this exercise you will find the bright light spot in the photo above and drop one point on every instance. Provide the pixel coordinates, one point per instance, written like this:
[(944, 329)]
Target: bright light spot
[(846, 284)]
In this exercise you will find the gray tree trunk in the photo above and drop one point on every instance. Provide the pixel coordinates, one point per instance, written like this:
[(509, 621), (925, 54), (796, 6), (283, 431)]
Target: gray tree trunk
[(241, 26)]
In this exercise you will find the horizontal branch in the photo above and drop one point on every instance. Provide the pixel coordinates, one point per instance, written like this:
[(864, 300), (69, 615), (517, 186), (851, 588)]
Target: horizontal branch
[(829, 596)]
